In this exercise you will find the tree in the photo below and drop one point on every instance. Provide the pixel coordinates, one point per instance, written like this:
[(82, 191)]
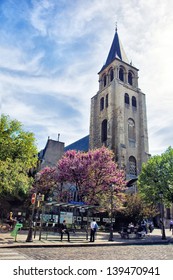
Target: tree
[(46, 183), (95, 175), (18, 154), (156, 177), (73, 168)]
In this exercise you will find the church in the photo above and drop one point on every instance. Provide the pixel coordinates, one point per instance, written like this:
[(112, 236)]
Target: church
[(118, 112), (117, 116)]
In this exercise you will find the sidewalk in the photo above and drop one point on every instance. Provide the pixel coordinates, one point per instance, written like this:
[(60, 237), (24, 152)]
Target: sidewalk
[(79, 239)]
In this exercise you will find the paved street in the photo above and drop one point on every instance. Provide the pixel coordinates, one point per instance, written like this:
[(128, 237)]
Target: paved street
[(152, 247), (127, 252), (12, 254)]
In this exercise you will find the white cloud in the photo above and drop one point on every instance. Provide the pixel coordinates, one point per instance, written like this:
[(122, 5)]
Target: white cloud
[(13, 59)]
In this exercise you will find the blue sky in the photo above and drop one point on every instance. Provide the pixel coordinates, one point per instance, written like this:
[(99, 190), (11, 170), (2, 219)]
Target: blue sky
[(52, 50)]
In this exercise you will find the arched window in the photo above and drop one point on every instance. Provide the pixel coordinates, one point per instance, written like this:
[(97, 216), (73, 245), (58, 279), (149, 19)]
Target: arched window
[(101, 103), (107, 100), (104, 131), (132, 166), (130, 78), (126, 99), (111, 75), (134, 101), (131, 130), (104, 80), (121, 74)]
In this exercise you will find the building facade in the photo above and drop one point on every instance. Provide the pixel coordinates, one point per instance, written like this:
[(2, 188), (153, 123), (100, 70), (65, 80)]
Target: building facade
[(118, 112), (51, 154)]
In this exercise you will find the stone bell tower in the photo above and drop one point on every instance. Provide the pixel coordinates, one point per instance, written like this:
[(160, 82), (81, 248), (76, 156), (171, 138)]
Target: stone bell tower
[(118, 112)]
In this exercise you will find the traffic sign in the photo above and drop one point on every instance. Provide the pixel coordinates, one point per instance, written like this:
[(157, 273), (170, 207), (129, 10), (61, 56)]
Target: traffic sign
[(33, 198), (77, 202), (40, 197)]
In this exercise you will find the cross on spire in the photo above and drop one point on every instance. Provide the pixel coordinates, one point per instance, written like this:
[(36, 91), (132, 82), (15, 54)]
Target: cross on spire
[(116, 26)]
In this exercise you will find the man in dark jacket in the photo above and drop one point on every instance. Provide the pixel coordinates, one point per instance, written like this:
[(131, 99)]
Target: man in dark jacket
[(64, 230)]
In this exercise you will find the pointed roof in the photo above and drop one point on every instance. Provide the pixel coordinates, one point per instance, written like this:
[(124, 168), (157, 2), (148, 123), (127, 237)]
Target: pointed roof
[(116, 51)]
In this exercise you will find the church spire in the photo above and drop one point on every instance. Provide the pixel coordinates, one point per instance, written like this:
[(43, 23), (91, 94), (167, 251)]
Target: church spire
[(116, 51)]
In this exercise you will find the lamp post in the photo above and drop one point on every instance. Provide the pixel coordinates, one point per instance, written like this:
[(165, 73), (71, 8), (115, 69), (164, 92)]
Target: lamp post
[(111, 238), (162, 216)]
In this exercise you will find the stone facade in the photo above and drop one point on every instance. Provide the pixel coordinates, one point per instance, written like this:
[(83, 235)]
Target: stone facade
[(51, 154), (118, 113)]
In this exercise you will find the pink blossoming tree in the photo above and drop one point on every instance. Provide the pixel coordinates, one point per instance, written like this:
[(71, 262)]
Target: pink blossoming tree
[(95, 175)]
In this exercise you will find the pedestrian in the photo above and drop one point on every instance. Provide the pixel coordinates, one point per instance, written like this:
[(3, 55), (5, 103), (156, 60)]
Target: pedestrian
[(140, 231), (11, 221), (94, 228), (64, 230), (131, 227), (144, 225), (171, 224), (151, 227)]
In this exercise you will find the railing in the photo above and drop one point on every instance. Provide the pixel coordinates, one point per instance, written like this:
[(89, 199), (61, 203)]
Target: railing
[(47, 228)]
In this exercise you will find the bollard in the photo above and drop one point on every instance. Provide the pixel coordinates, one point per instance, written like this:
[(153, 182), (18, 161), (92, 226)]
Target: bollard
[(29, 237)]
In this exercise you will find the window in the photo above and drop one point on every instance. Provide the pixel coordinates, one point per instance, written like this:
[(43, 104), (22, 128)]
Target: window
[(107, 103), (126, 99), (104, 80), (111, 75), (104, 131), (134, 101), (121, 74), (101, 103), (131, 129), (132, 166), (130, 78)]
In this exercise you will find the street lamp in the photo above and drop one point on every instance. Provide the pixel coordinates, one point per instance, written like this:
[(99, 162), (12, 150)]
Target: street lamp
[(111, 238), (162, 216)]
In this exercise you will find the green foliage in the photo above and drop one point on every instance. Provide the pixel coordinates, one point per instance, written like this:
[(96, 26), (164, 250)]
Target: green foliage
[(156, 177), (18, 154)]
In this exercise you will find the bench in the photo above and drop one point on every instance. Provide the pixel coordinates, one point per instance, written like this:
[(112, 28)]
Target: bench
[(127, 233)]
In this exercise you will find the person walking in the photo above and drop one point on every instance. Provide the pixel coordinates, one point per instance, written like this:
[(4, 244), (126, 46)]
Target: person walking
[(94, 228), (64, 230)]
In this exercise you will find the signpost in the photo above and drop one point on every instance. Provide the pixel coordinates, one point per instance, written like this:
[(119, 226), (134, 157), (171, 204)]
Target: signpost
[(77, 202), (33, 198), (68, 216)]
